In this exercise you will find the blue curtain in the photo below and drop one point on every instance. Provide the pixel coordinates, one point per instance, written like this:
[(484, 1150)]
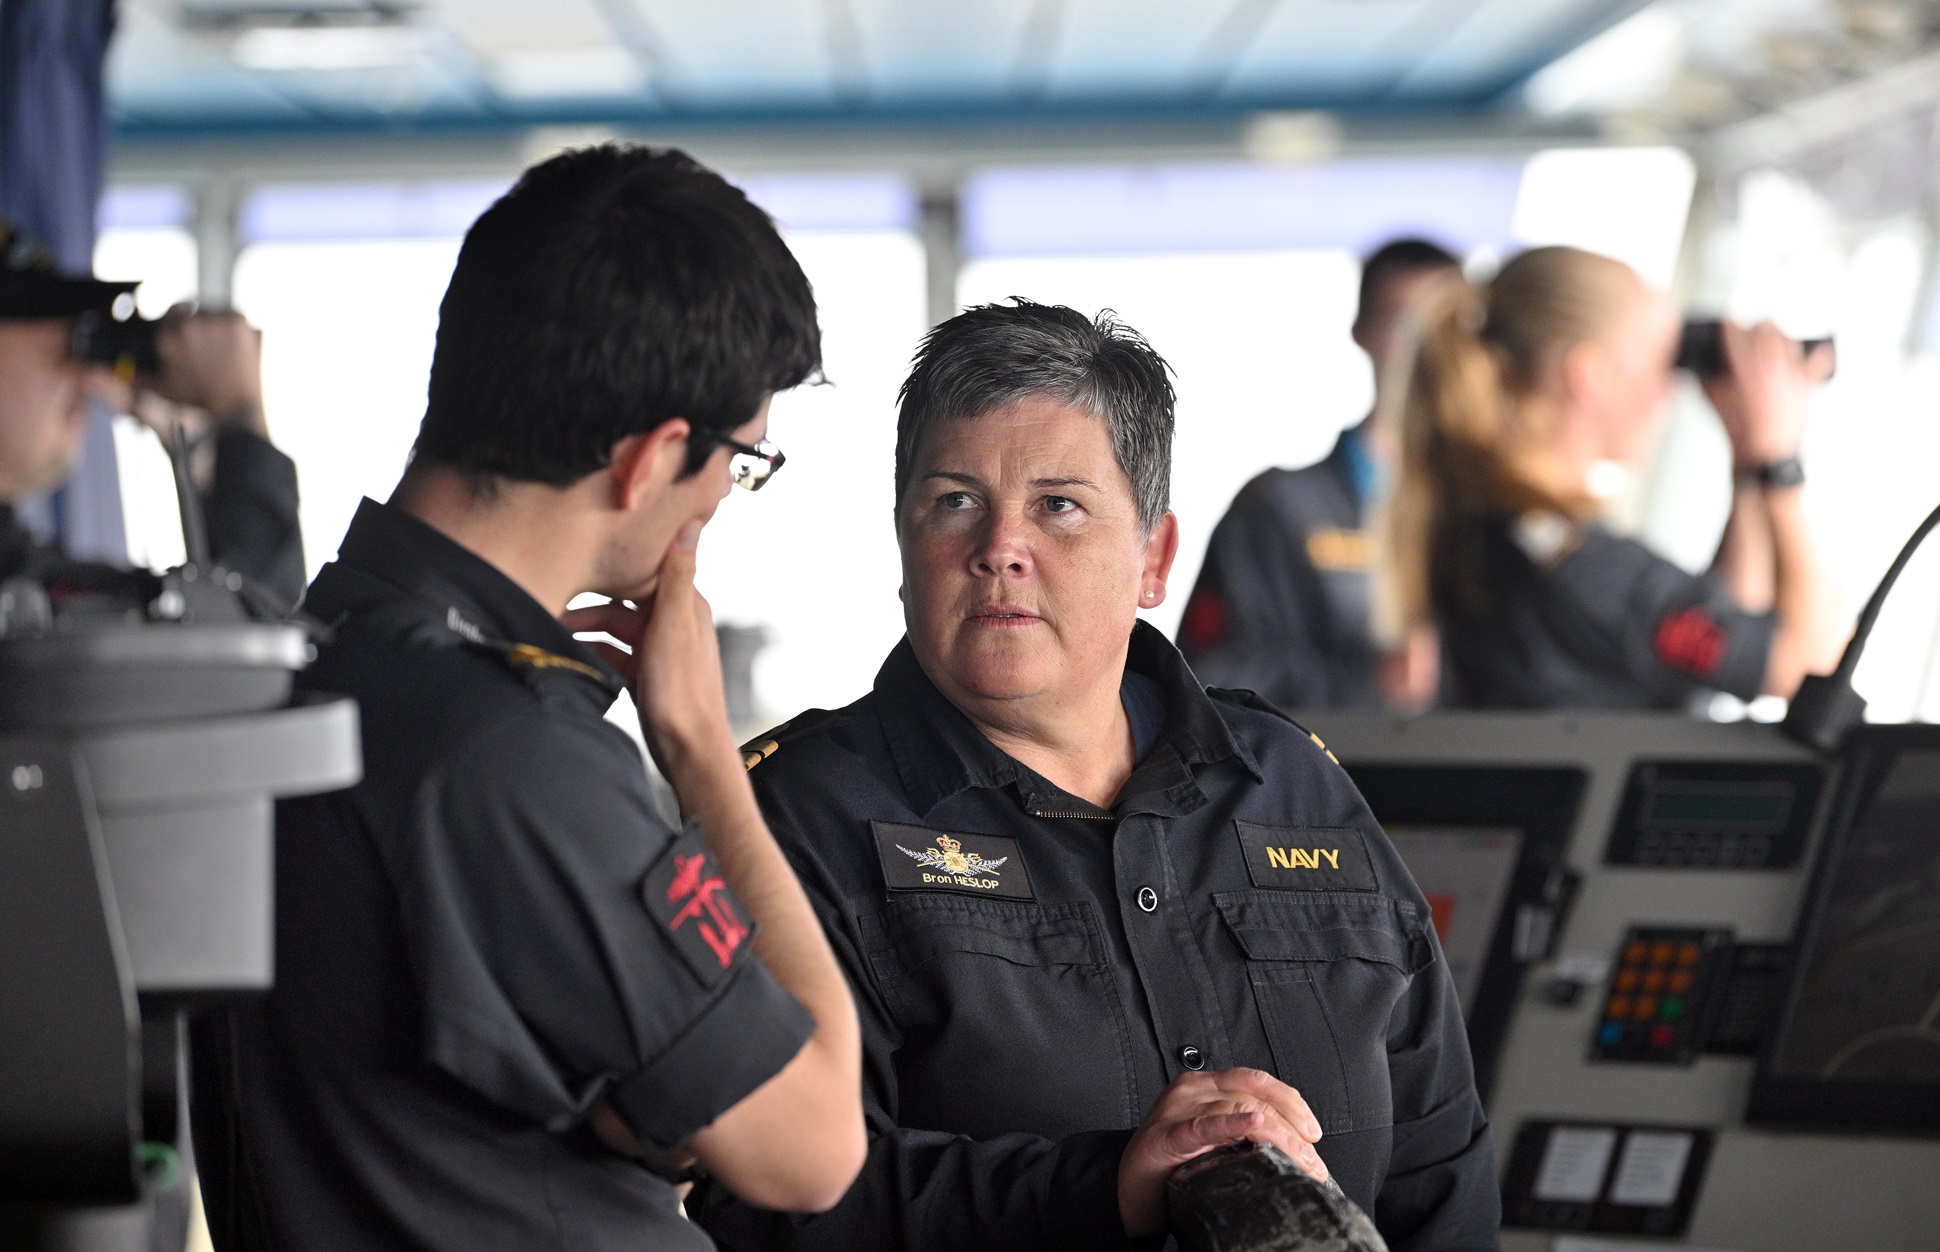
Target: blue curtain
[(53, 151)]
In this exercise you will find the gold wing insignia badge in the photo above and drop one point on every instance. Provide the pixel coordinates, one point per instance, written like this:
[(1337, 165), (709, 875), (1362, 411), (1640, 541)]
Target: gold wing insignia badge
[(949, 856)]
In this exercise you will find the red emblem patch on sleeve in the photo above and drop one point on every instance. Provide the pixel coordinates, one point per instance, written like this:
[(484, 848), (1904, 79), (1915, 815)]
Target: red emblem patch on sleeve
[(1203, 626), (692, 901), (1690, 641)]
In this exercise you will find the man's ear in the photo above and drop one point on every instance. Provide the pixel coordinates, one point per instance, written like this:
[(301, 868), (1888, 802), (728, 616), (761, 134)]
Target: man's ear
[(643, 465)]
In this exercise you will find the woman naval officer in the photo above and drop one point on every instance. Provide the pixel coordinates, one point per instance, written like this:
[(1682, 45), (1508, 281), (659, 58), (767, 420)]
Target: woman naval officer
[(1098, 919), (1515, 392)]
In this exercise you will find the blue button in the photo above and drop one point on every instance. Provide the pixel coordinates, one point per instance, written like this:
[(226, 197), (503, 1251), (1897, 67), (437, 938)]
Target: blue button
[(1611, 1035)]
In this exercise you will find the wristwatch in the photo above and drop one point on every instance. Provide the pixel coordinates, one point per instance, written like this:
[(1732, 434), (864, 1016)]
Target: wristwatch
[(1786, 471)]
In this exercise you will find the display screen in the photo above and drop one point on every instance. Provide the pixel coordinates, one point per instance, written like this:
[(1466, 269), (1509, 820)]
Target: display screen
[(1867, 1004), (1686, 804), (1465, 871)]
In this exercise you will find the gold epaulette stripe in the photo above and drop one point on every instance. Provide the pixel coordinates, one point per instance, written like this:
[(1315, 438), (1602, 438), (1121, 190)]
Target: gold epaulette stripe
[(539, 658), (1323, 747), (753, 754)]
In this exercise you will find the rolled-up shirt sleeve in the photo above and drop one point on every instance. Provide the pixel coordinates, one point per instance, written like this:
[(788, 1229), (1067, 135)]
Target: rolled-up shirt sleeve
[(550, 980)]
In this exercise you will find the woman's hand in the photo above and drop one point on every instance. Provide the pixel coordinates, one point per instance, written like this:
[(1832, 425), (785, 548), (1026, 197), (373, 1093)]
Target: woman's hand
[(1200, 1112), (1761, 397)]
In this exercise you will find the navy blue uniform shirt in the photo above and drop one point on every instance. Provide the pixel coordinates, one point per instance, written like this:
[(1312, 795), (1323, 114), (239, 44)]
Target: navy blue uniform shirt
[(1281, 605), (489, 933), (1031, 971), (1541, 612)]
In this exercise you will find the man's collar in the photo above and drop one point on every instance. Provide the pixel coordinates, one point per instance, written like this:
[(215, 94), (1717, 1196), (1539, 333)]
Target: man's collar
[(470, 594), (938, 752)]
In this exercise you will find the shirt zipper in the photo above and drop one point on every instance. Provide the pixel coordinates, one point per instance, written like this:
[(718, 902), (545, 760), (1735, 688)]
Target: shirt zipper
[(1093, 817)]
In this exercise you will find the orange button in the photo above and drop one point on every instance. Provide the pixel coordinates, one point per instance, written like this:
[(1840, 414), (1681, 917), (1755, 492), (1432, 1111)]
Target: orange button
[(1619, 1008), (1627, 980), (1654, 981), (1634, 954), (1646, 1008), (1689, 954), (1680, 982), (1661, 952)]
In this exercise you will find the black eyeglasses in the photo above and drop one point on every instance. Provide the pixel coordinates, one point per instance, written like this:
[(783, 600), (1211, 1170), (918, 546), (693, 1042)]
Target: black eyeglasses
[(751, 467)]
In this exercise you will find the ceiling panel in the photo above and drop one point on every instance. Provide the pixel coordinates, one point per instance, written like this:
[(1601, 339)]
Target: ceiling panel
[(935, 53), (1331, 49), (1108, 49), (1505, 37), (515, 62), (741, 54)]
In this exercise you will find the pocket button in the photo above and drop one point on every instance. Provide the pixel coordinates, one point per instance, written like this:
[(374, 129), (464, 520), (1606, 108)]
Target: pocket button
[(1192, 1058), (1148, 899)]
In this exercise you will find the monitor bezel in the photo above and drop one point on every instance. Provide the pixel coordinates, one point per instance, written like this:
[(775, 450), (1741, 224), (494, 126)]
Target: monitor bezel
[(1543, 802), (1781, 1102)]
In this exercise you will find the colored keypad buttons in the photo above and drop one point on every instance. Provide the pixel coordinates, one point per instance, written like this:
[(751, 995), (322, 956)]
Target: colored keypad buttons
[(1652, 1013)]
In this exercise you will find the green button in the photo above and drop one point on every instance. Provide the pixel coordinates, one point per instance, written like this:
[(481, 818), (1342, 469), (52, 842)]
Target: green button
[(1671, 1010)]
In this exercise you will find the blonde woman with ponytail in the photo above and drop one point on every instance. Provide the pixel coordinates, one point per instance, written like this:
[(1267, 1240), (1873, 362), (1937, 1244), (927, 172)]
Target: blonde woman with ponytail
[(1515, 392)]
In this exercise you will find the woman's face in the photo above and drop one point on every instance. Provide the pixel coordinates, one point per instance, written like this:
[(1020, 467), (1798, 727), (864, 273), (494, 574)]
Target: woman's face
[(1023, 561), (1632, 387)]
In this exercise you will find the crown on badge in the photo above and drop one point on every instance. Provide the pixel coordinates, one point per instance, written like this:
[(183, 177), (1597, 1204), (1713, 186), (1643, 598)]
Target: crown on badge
[(948, 844)]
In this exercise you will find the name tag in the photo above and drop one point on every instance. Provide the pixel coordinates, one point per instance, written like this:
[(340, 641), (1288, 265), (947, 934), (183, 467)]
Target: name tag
[(917, 859), (1338, 551), (1306, 858)]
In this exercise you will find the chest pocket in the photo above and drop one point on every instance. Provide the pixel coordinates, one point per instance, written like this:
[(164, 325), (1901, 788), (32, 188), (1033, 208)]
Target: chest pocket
[(1326, 969), (1009, 1015)]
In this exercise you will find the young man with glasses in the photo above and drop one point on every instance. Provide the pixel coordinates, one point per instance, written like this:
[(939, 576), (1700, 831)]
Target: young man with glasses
[(513, 1007)]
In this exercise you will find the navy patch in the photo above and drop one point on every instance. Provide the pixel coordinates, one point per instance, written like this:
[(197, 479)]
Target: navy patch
[(916, 859), (1306, 858), (688, 897)]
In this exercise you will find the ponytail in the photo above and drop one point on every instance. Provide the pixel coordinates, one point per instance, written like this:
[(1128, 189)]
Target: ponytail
[(1468, 445)]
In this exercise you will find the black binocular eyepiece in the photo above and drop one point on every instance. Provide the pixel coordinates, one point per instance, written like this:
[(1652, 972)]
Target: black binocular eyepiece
[(127, 344), (1700, 348)]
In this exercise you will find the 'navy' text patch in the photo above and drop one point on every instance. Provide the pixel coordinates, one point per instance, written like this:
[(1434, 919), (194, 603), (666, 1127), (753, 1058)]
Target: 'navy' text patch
[(1306, 858)]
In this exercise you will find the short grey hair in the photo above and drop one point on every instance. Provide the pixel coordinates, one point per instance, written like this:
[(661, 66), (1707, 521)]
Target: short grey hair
[(994, 355)]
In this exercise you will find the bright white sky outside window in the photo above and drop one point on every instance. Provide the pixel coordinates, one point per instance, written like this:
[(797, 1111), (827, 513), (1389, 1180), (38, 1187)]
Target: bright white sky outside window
[(348, 327), (1258, 335), (812, 556)]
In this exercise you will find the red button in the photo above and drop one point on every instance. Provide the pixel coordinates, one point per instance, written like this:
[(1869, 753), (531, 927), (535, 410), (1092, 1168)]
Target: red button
[(1661, 1036)]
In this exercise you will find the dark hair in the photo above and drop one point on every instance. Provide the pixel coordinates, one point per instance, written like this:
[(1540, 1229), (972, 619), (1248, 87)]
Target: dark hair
[(995, 355), (1397, 257), (613, 288)]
